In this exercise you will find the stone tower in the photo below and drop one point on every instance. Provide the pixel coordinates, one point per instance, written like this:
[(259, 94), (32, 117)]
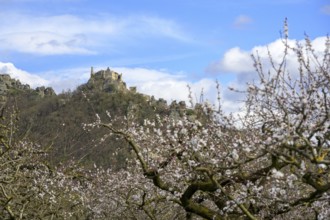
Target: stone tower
[(92, 71)]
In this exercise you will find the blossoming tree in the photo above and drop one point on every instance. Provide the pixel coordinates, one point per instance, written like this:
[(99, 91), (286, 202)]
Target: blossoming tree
[(29, 187), (271, 162)]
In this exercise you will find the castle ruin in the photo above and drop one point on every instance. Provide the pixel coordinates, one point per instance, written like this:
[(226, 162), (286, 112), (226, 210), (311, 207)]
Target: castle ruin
[(107, 80)]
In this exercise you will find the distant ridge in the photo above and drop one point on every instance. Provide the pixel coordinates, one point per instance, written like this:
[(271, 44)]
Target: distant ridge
[(9, 85)]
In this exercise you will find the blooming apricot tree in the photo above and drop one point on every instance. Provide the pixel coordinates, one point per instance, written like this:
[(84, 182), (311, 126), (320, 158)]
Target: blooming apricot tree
[(29, 187), (270, 162)]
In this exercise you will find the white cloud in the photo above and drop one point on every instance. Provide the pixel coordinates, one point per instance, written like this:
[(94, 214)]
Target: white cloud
[(67, 79), (69, 34), (234, 60), (239, 64), (166, 85), (239, 61), (155, 25), (169, 86), (23, 76), (326, 9), (242, 21), (44, 43)]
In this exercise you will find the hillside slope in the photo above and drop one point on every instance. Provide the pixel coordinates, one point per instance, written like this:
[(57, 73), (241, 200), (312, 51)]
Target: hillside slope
[(58, 121)]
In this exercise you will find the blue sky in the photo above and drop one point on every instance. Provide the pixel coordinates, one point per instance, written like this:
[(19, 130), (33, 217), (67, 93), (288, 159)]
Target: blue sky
[(181, 41)]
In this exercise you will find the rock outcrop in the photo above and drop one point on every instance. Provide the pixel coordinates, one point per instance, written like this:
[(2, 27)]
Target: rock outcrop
[(6, 83), (107, 81), (9, 85), (43, 91)]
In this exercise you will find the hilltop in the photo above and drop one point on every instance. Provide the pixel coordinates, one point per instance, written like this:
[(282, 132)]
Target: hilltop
[(10, 86), (57, 120)]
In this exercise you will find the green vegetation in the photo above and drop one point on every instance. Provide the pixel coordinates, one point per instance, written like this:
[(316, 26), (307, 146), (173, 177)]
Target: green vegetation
[(57, 121)]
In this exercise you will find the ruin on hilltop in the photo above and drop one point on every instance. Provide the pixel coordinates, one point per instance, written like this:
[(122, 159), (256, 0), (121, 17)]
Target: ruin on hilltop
[(106, 80)]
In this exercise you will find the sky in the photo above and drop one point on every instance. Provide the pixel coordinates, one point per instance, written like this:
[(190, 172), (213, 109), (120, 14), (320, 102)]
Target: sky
[(159, 46)]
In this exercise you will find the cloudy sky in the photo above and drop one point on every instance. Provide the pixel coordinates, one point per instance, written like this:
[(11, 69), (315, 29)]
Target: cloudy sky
[(160, 46)]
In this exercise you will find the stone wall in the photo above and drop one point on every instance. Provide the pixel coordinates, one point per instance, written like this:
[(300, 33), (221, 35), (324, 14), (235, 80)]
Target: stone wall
[(107, 80)]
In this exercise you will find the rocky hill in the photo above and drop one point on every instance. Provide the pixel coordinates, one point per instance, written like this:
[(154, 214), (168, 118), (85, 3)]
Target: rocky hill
[(106, 81), (57, 120), (9, 86)]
